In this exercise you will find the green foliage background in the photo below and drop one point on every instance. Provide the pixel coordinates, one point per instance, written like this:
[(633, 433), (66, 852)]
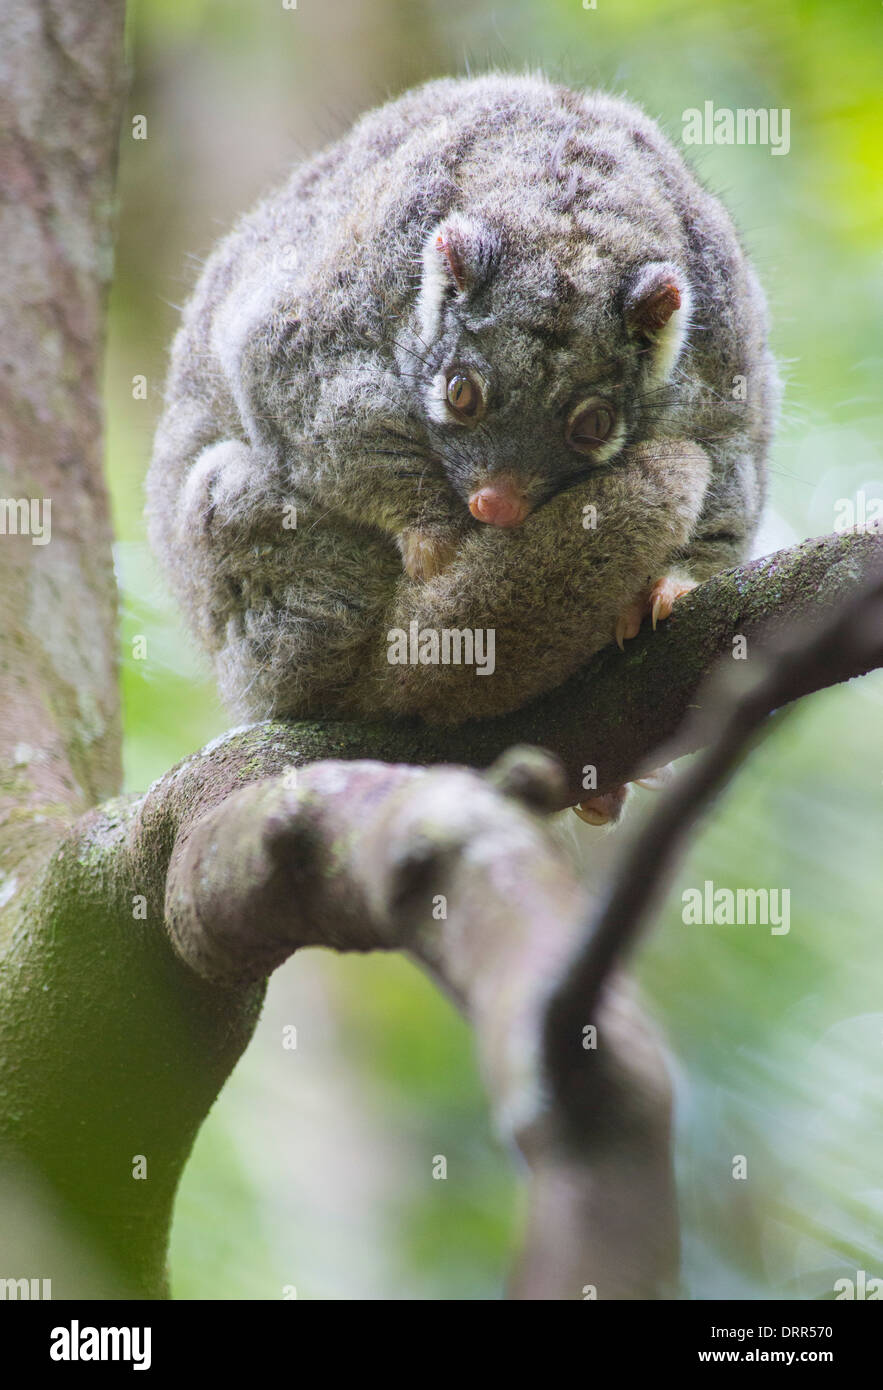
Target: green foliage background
[(315, 1168)]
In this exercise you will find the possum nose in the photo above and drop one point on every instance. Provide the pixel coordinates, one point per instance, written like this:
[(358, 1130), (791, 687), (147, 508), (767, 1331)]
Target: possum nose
[(499, 504)]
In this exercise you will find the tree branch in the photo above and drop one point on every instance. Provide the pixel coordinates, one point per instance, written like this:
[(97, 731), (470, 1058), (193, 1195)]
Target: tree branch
[(452, 868), (621, 709), (733, 720)]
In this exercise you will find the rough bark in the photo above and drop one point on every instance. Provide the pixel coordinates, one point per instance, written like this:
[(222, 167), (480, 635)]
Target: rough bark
[(61, 73)]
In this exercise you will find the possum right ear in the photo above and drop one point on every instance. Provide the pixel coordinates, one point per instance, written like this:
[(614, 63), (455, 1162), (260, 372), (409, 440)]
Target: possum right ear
[(657, 313), (459, 256)]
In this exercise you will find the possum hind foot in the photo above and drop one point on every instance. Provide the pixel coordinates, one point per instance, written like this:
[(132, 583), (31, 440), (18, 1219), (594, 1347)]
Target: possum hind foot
[(607, 809)]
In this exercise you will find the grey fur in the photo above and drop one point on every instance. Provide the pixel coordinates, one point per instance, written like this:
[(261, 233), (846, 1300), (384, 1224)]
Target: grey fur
[(306, 373)]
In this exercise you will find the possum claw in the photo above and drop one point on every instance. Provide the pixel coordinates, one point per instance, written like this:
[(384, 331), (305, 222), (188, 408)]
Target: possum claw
[(665, 593), (607, 809), (602, 810), (658, 602), (628, 624), (657, 779)]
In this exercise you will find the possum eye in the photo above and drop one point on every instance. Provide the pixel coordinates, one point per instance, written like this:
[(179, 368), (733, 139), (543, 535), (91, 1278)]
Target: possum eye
[(464, 393), (590, 425)]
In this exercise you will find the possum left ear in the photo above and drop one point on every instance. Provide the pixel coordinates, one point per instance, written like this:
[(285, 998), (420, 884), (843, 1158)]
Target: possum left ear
[(459, 256), (657, 312), (452, 256)]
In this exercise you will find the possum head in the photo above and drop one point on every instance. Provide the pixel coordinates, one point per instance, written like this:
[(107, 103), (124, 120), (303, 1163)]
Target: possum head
[(538, 361)]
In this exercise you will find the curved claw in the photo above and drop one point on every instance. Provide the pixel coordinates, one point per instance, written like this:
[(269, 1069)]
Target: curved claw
[(628, 624), (604, 809), (658, 602), (656, 780), (665, 593), (590, 815)]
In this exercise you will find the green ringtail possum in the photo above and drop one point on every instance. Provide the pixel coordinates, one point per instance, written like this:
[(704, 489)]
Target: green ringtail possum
[(493, 361)]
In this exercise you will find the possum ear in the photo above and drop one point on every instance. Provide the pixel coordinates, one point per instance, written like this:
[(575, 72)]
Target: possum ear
[(657, 312), (459, 256), (451, 249)]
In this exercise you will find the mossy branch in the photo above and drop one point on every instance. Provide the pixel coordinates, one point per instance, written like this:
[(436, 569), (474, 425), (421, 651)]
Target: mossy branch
[(623, 711)]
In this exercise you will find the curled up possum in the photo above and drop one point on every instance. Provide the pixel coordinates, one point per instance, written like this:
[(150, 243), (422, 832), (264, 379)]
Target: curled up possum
[(492, 365)]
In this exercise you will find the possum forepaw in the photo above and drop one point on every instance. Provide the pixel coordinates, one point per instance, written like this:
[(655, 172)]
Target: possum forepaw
[(666, 592), (628, 624), (603, 810), (657, 603), (424, 554), (607, 809)]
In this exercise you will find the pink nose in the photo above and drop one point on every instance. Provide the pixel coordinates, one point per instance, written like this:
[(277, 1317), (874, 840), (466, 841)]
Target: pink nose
[(499, 504)]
